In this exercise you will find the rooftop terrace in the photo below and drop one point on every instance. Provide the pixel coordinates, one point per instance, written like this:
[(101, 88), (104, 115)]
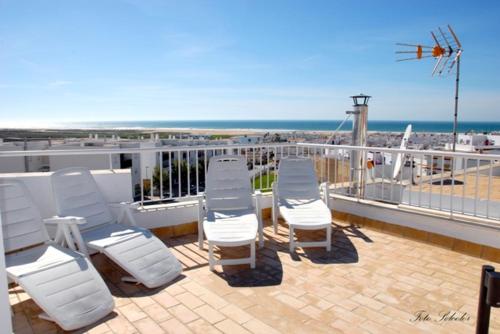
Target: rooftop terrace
[(371, 282), (398, 263)]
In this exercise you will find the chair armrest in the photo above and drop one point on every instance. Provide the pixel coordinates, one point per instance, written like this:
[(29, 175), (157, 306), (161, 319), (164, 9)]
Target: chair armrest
[(67, 228), (67, 220)]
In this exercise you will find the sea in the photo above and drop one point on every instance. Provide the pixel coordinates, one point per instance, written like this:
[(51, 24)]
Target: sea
[(291, 125)]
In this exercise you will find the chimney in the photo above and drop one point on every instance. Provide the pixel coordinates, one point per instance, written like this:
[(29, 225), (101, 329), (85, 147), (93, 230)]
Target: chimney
[(359, 133)]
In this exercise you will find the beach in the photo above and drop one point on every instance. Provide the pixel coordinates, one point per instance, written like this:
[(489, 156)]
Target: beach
[(130, 129)]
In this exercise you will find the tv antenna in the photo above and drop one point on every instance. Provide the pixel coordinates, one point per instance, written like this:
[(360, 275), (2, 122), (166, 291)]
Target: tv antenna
[(446, 47)]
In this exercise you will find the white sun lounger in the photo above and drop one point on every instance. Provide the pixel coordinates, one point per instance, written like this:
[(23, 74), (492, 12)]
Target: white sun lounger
[(296, 197), (228, 217), (145, 257), (62, 282)]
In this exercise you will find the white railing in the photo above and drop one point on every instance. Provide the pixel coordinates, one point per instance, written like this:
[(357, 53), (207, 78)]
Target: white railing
[(452, 182), (455, 183)]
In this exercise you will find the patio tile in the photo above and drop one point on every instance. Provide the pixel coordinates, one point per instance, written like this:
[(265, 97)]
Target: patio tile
[(236, 314), (372, 282), (148, 326), (182, 313), (209, 314), (229, 326), (174, 326)]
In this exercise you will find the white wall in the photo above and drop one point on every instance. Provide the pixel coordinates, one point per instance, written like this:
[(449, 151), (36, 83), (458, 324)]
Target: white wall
[(469, 231), (148, 160), (12, 165), (115, 185), (178, 213), (17, 164), (91, 161)]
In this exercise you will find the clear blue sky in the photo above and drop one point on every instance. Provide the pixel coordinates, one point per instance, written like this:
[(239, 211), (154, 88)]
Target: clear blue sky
[(152, 59)]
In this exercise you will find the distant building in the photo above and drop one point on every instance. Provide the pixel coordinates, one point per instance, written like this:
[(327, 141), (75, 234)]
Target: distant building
[(247, 139), (473, 142), (24, 164)]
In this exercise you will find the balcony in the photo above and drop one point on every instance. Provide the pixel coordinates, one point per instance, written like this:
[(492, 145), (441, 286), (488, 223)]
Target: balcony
[(406, 251)]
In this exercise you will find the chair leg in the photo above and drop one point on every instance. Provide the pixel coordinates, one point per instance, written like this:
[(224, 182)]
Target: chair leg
[(261, 234), (252, 255), (291, 242), (329, 238), (211, 256)]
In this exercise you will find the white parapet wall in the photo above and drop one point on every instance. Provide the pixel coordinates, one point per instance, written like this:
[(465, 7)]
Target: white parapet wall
[(155, 216), (480, 232), (115, 185)]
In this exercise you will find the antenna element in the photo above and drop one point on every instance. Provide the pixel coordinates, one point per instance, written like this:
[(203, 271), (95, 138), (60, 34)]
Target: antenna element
[(446, 47)]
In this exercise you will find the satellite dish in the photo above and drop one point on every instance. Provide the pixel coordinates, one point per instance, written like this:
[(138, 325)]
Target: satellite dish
[(403, 146)]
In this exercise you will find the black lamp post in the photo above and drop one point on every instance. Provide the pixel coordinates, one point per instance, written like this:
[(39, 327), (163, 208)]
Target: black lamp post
[(489, 296)]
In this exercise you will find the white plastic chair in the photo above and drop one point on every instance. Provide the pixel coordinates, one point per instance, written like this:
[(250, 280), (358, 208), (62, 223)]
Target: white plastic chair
[(135, 249), (228, 216), (63, 282), (296, 197)]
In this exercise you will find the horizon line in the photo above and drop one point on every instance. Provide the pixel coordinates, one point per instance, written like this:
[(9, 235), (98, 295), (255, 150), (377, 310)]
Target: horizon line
[(267, 120)]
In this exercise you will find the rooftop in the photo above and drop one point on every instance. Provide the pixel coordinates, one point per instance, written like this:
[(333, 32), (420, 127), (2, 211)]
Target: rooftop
[(371, 282), (398, 260)]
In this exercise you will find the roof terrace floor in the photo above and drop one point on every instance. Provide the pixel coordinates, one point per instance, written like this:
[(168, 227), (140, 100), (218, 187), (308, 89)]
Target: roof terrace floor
[(371, 282)]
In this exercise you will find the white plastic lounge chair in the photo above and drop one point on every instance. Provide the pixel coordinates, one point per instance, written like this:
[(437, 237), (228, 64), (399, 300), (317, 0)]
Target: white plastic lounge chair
[(145, 257), (296, 197), (228, 217), (62, 282)]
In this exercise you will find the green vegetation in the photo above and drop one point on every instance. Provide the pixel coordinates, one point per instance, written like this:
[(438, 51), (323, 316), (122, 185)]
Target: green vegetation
[(219, 136), (263, 179), (175, 178), (20, 134)]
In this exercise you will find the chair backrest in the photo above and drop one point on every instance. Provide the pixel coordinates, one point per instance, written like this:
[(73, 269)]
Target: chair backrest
[(21, 221), (76, 194), (297, 179), (228, 183)]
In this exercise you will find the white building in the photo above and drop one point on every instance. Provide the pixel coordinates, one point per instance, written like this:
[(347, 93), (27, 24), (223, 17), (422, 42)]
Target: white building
[(24, 164), (247, 139)]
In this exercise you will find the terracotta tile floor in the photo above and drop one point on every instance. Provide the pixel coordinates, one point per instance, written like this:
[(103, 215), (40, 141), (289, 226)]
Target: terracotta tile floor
[(371, 282)]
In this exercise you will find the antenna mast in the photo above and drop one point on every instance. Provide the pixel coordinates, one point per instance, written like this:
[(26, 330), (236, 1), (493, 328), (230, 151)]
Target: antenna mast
[(446, 47)]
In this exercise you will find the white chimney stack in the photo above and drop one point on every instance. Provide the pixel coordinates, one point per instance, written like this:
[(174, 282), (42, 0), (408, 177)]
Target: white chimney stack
[(359, 134)]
